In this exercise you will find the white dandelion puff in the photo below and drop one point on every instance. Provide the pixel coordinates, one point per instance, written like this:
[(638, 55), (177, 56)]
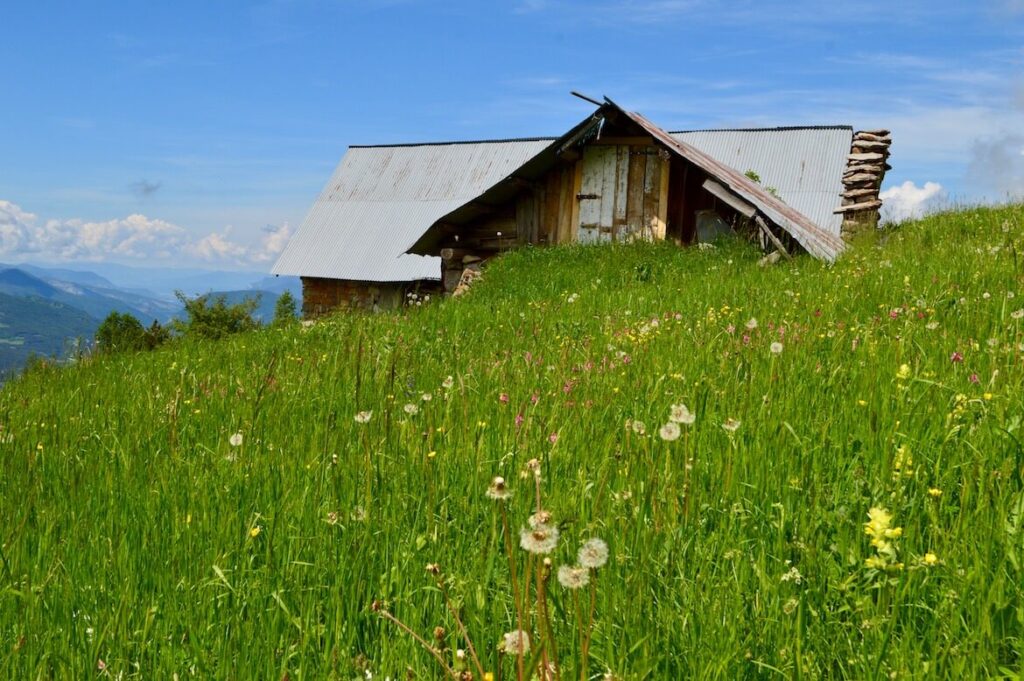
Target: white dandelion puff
[(731, 425), (669, 432), (751, 324), (593, 554), (498, 490), (573, 577), (515, 642), (680, 413), (411, 409), (776, 348), (363, 416), (540, 540), (236, 440)]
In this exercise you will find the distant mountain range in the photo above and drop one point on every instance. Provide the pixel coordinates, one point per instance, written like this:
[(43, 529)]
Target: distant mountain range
[(47, 310)]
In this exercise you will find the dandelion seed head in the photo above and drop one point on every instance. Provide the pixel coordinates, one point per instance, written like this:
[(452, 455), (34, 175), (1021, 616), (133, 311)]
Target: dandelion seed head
[(680, 413), (731, 425), (363, 416), (539, 540), (498, 490), (235, 440), (751, 324), (539, 519), (515, 642), (593, 554), (669, 432), (776, 348), (411, 409), (573, 577)]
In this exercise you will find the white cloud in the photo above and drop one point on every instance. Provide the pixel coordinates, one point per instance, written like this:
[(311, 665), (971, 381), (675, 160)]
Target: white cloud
[(135, 237), (908, 201), (272, 242)]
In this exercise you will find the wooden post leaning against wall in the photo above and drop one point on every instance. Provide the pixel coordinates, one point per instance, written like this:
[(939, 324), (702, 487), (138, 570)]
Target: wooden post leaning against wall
[(661, 222), (865, 169)]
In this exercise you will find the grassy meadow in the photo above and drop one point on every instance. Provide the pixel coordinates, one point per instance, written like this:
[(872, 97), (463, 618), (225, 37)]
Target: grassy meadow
[(216, 510)]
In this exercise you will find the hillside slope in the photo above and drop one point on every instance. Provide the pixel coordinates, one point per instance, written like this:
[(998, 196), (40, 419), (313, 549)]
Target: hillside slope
[(35, 326), (137, 534)]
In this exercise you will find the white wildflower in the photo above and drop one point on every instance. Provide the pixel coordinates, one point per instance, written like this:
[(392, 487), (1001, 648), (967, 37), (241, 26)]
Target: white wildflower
[(731, 425), (364, 416), (411, 409)]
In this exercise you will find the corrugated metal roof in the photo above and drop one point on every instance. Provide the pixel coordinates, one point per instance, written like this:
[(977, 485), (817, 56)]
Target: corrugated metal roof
[(805, 165), (381, 199)]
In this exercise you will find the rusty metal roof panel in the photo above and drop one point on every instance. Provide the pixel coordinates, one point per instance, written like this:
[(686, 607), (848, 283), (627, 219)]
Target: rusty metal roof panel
[(804, 164), (381, 199)]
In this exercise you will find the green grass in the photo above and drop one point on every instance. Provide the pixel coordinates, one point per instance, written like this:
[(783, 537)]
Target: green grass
[(127, 516)]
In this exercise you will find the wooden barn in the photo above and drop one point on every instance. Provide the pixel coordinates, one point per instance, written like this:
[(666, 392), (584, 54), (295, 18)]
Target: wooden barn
[(401, 218)]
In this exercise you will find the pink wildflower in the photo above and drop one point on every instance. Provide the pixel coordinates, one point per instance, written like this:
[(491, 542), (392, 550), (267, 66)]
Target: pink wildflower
[(956, 357), (553, 438), (503, 398)]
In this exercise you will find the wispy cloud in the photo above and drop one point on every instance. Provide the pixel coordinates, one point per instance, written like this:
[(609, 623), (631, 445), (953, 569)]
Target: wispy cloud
[(144, 188)]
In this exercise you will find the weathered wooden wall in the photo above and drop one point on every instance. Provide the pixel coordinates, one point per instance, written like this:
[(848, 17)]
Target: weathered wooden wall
[(322, 296)]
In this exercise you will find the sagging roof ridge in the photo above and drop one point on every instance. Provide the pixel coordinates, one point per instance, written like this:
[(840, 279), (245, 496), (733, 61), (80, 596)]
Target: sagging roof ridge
[(507, 140)]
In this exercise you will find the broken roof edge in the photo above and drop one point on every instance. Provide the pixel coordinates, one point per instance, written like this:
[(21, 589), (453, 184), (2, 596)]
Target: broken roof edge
[(810, 236), (815, 240)]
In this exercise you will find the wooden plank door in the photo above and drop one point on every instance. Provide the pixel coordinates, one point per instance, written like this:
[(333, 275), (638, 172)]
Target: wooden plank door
[(623, 193), (602, 190)]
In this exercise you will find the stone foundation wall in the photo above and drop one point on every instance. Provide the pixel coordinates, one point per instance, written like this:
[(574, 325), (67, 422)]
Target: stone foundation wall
[(323, 296)]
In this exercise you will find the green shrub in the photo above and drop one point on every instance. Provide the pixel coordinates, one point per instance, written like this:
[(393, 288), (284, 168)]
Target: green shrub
[(120, 332), (285, 310), (213, 317)]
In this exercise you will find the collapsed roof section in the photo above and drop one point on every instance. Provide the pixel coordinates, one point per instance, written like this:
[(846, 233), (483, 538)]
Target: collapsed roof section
[(734, 188)]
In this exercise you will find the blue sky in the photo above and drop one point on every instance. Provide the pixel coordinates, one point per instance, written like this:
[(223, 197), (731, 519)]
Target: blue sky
[(200, 132)]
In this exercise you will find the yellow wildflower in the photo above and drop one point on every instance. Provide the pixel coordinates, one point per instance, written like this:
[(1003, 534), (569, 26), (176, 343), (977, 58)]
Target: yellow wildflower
[(904, 372), (930, 559), (934, 492), (255, 531)]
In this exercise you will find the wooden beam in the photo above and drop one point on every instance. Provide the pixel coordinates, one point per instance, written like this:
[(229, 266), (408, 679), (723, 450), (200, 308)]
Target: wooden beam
[(771, 237), (661, 225), (741, 206)]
